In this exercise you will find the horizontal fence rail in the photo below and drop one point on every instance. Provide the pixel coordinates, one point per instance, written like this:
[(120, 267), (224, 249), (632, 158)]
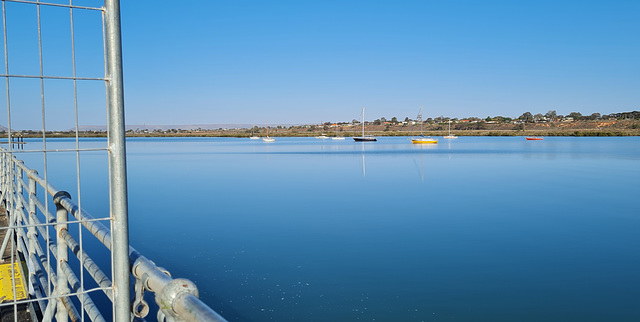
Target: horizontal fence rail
[(41, 239)]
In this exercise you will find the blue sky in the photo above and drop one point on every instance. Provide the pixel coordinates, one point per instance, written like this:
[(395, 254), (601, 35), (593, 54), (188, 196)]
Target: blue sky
[(312, 61)]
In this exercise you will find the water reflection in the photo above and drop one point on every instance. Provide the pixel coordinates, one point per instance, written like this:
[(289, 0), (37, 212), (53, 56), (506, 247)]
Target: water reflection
[(364, 172), (302, 249)]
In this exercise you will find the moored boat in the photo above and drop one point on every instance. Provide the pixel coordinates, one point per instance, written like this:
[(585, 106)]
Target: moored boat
[(337, 137), (364, 138), (423, 139), (268, 139), (253, 136), (450, 136)]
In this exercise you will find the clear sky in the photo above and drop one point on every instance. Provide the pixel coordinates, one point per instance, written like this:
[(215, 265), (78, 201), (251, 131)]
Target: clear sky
[(312, 61), (199, 62)]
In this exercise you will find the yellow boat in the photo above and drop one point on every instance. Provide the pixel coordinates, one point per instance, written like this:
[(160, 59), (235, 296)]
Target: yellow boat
[(423, 139)]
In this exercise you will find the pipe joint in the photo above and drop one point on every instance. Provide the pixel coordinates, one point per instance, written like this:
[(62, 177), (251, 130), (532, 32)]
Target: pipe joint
[(57, 198), (169, 298)]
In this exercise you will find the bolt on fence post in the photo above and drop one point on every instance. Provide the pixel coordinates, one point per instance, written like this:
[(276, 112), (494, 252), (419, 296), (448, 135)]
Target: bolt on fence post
[(117, 163), (63, 254)]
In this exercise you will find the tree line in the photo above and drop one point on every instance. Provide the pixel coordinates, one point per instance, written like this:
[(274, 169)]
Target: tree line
[(527, 117)]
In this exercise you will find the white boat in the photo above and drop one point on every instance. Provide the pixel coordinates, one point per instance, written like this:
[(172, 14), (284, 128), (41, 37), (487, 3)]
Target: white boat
[(322, 136), (423, 139), (253, 137), (268, 139), (450, 136), (364, 138), (337, 137)]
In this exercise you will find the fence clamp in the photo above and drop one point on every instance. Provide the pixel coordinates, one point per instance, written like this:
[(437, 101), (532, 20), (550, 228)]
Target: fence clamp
[(167, 298), (140, 307)]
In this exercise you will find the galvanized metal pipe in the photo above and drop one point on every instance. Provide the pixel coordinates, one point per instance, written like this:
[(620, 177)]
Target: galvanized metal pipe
[(179, 295), (38, 294), (50, 310), (96, 228), (70, 309), (49, 188), (89, 306), (32, 278), (41, 280), (73, 313), (87, 262), (32, 233), (94, 271), (10, 230), (190, 308), (117, 161), (177, 298), (62, 254)]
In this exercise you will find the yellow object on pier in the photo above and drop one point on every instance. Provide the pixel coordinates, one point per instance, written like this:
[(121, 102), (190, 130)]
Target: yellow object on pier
[(6, 283)]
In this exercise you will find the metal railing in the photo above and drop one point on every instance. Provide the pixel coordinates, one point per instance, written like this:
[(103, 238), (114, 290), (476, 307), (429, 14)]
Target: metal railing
[(50, 291), (43, 249)]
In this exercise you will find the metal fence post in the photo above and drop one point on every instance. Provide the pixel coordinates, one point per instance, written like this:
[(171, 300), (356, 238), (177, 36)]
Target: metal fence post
[(62, 287), (3, 164), (117, 163), (32, 233), (9, 203)]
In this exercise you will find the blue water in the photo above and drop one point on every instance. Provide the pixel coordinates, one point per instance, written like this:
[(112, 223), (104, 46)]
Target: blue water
[(472, 229)]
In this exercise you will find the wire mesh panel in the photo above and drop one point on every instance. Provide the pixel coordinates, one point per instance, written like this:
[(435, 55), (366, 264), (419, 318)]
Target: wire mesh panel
[(65, 253), (55, 80)]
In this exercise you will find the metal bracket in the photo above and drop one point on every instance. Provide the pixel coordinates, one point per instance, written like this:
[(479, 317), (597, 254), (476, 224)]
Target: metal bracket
[(140, 307)]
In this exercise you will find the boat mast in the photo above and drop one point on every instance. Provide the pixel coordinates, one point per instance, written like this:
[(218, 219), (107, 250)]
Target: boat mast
[(420, 118), (363, 121)]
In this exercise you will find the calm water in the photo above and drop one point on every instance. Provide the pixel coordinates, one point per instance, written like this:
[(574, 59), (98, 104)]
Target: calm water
[(478, 228)]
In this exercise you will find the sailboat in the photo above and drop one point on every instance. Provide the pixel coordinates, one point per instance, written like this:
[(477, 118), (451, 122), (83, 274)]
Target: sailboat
[(450, 136), (364, 138), (322, 136), (337, 137), (253, 137), (423, 139), (268, 139)]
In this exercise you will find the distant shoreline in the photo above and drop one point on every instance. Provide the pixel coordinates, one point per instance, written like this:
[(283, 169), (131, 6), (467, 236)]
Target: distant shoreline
[(629, 127), (576, 133)]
